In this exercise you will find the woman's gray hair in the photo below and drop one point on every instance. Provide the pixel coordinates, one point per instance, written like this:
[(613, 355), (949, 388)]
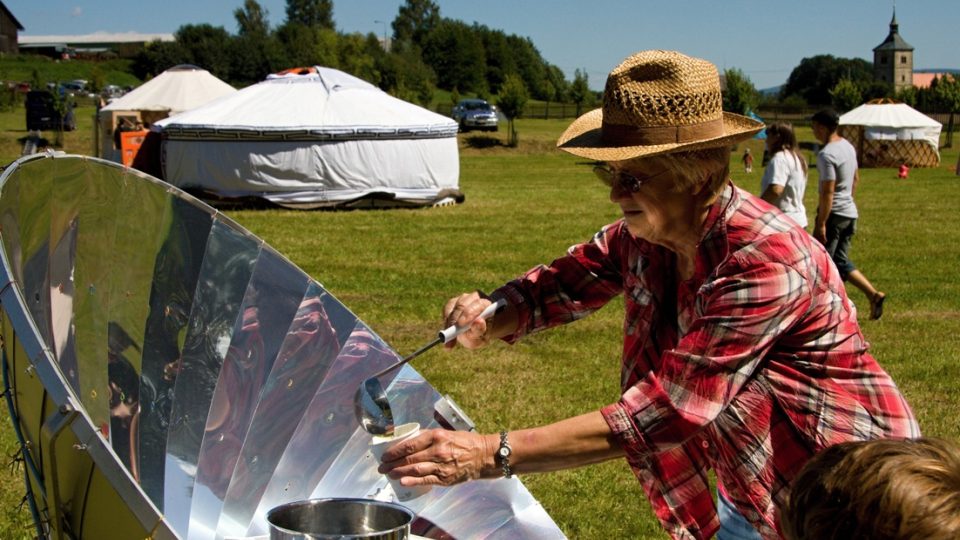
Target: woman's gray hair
[(707, 168)]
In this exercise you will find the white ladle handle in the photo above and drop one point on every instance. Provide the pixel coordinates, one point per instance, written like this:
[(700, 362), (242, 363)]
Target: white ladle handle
[(452, 332)]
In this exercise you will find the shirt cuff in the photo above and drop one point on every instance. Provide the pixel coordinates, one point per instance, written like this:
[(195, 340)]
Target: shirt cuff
[(514, 296), (621, 425)]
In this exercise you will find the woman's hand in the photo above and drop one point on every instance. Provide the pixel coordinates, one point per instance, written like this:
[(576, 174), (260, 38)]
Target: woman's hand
[(463, 310), (443, 458)]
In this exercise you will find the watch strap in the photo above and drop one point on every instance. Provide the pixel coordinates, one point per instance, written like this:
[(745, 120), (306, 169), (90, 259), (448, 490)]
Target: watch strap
[(503, 454)]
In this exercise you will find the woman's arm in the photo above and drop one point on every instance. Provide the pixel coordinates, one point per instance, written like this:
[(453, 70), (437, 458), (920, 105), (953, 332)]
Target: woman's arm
[(442, 457), (772, 194)]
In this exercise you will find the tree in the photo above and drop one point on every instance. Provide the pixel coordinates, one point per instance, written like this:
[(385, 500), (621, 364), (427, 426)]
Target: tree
[(311, 13), (254, 52), (740, 95), (252, 19), (455, 53), (499, 55), (946, 95), (158, 56), (513, 98), (415, 20), (404, 74), (97, 80), (908, 95), (299, 45), (846, 95), (530, 65), (206, 46), (580, 92), (813, 79), (357, 56), (556, 82)]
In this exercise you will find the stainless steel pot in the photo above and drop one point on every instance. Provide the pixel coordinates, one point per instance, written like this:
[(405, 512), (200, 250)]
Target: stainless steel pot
[(340, 519)]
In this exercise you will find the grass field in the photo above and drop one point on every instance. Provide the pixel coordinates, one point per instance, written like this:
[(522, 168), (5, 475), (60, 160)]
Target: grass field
[(525, 206)]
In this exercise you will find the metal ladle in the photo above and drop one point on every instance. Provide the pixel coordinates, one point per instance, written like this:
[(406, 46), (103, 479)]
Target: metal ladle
[(370, 402)]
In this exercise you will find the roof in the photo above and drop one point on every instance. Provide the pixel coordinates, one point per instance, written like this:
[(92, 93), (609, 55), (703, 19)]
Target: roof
[(97, 37), (315, 103), (10, 14), (923, 80), (890, 115), (894, 42), (177, 89)]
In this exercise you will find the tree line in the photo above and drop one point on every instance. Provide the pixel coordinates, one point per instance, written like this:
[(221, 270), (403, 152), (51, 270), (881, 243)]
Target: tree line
[(842, 83), (426, 52)]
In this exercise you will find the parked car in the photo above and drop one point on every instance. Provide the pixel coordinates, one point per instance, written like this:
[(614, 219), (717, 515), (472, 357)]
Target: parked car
[(476, 114), (42, 112)]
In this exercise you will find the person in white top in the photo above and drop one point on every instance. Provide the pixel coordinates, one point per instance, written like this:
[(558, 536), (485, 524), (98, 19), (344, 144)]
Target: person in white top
[(785, 178)]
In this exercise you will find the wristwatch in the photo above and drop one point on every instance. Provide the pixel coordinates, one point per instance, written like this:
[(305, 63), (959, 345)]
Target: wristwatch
[(503, 454)]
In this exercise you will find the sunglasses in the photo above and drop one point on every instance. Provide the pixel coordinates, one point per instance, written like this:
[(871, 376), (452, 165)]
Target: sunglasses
[(627, 181)]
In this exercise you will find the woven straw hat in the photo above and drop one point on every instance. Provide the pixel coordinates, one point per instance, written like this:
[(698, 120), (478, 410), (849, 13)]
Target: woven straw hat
[(657, 102)]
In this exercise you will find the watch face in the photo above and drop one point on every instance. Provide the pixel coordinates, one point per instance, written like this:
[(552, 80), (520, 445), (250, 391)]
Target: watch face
[(504, 451)]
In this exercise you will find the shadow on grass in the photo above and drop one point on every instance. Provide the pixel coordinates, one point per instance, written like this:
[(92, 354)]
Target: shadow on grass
[(483, 141)]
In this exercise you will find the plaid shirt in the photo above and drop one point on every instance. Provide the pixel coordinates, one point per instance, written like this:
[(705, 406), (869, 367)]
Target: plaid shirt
[(749, 367)]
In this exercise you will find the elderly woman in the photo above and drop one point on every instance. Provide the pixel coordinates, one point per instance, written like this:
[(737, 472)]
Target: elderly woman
[(741, 351)]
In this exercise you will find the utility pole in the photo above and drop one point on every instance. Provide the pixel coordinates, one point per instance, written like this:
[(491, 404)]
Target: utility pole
[(386, 44)]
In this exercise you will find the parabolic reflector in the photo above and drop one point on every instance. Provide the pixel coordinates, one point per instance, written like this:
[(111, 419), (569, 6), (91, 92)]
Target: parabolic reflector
[(175, 377)]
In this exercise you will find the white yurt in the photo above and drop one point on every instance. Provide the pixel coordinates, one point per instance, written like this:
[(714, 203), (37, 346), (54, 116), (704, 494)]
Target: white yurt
[(887, 134), (311, 138), (176, 90)]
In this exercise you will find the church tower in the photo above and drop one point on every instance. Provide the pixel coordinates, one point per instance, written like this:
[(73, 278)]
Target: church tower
[(893, 59)]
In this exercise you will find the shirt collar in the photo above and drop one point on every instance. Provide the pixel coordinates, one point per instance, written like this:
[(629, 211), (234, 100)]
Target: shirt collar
[(713, 248)]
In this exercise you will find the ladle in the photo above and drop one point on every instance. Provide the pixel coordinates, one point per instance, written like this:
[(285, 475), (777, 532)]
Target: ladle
[(370, 402)]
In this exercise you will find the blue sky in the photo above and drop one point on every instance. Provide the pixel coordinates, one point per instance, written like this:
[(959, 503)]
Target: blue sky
[(765, 39)]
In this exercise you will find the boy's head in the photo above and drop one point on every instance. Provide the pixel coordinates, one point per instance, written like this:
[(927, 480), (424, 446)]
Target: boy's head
[(824, 124), (883, 490)]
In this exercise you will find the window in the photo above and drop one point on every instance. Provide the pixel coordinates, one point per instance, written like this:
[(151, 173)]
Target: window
[(883, 59), (903, 59)]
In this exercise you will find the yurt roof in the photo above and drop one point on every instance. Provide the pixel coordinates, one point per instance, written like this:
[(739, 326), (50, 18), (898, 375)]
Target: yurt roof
[(889, 115), (177, 89), (313, 102)]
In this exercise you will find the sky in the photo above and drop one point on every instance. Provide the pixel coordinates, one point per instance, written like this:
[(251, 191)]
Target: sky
[(764, 39)]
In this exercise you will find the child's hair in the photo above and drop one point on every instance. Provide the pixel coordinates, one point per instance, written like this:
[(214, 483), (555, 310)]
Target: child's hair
[(885, 489), (783, 138)]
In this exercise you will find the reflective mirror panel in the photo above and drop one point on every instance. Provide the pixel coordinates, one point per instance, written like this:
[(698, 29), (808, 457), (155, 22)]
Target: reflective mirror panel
[(174, 281), (216, 376), (216, 316)]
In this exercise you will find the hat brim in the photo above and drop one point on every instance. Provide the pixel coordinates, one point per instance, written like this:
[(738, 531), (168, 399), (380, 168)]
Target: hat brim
[(583, 138)]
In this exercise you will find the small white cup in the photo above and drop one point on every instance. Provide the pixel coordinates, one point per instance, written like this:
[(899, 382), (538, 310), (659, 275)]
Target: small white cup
[(380, 444)]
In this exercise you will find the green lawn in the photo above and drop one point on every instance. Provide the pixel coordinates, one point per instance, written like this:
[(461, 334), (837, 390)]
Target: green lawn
[(525, 206)]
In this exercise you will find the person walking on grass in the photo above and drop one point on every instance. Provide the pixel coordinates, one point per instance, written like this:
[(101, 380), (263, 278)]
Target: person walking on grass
[(785, 177), (747, 161), (837, 214)]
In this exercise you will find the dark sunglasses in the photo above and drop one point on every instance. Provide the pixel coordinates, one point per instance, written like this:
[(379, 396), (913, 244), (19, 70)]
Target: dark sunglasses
[(627, 181)]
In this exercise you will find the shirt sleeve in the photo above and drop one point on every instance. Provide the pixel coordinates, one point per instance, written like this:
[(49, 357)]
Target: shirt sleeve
[(826, 167), (571, 287), (777, 171), (744, 313)]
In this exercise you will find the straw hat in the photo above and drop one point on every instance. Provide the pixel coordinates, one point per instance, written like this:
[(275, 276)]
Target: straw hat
[(657, 102)]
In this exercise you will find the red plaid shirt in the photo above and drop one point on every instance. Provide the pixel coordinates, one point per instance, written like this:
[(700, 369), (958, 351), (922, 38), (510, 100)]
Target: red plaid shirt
[(749, 368)]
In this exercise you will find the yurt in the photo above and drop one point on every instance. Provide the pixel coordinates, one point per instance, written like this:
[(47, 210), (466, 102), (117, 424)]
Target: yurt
[(312, 138), (176, 90), (888, 134)]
